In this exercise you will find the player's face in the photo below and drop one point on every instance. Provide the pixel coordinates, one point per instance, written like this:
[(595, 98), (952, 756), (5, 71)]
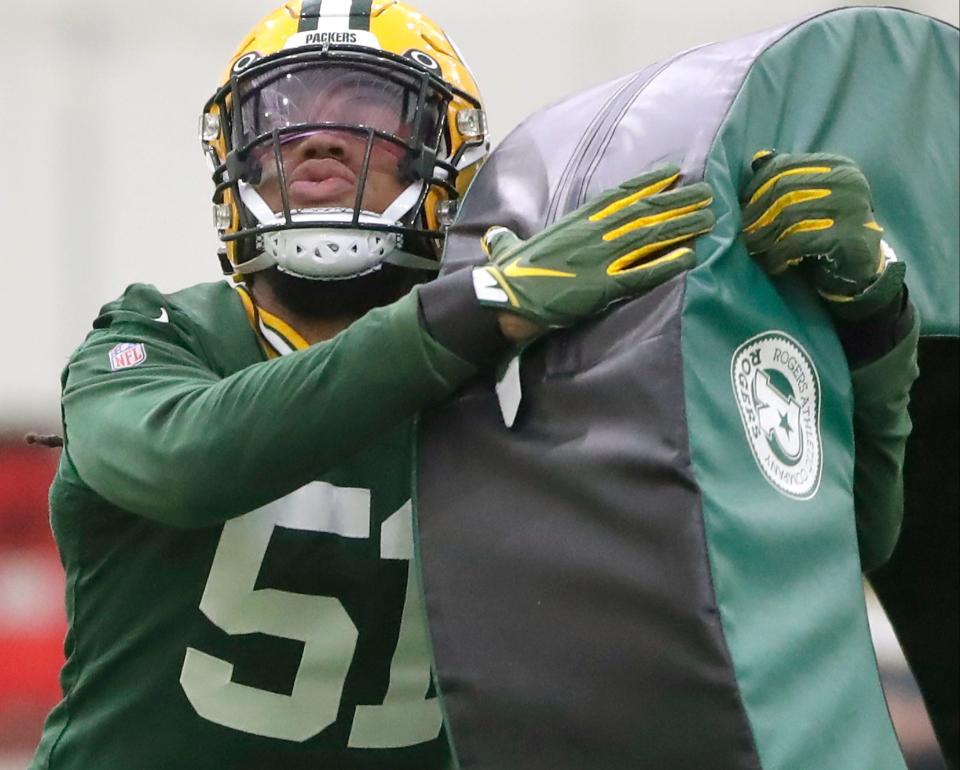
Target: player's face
[(323, 171), (323, 168)]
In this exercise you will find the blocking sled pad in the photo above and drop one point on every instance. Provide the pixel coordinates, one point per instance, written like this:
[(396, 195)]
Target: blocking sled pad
[(634, 575)]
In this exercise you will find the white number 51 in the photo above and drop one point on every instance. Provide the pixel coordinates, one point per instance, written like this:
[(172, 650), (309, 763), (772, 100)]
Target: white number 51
[(231, 601)]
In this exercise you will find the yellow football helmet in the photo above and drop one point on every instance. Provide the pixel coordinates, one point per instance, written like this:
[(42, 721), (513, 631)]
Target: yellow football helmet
[(341, 138)]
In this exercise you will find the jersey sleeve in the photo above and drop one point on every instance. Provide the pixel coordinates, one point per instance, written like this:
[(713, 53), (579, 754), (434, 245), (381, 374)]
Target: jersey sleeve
[(881, 424), (154, 430)]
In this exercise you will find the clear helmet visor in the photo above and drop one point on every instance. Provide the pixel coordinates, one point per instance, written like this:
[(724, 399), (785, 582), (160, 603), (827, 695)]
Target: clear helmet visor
[(339, 158), (335, 135), (330, 92)]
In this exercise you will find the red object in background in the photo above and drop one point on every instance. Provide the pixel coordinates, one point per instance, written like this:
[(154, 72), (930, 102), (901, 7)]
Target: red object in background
[(25, 476), (32, 616), (29, 669)]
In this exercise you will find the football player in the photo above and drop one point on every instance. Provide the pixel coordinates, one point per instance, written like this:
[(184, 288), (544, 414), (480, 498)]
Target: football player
[(233, 501)]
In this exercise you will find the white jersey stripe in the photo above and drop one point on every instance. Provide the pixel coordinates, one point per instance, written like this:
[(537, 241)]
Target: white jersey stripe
[(278, 343)]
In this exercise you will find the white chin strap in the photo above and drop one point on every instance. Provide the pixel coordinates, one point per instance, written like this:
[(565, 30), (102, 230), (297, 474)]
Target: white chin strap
[(331, 254)]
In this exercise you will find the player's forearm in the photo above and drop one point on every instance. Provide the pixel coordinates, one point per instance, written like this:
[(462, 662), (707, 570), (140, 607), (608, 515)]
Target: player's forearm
[(881, 429), (192, 451)]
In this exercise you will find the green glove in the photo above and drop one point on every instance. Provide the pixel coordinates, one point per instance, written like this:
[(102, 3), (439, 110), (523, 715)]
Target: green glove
[(627, 241), (815, 209)]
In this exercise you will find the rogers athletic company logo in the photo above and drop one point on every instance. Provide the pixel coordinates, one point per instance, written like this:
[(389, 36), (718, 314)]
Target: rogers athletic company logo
[(127, 355), (778, 394)]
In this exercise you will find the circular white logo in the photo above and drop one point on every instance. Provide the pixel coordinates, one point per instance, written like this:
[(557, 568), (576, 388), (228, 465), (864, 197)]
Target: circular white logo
[(245, 62), (778, 395)]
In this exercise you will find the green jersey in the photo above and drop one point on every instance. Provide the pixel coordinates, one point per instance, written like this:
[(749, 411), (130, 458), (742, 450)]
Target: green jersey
[(236, 532)]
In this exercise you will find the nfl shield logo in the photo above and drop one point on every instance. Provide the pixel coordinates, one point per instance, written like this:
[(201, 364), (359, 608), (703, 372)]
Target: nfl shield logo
[(127, 355)]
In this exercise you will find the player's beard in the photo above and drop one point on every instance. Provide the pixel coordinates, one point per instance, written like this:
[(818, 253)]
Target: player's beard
[(342, 300)]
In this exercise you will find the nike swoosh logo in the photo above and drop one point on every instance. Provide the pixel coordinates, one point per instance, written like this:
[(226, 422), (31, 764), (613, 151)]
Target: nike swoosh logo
[(513, 270), (163, 318)]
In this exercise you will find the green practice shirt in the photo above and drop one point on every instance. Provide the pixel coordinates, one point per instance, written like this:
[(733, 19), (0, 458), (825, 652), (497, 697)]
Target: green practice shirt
[(238, 544), (237, 537)]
